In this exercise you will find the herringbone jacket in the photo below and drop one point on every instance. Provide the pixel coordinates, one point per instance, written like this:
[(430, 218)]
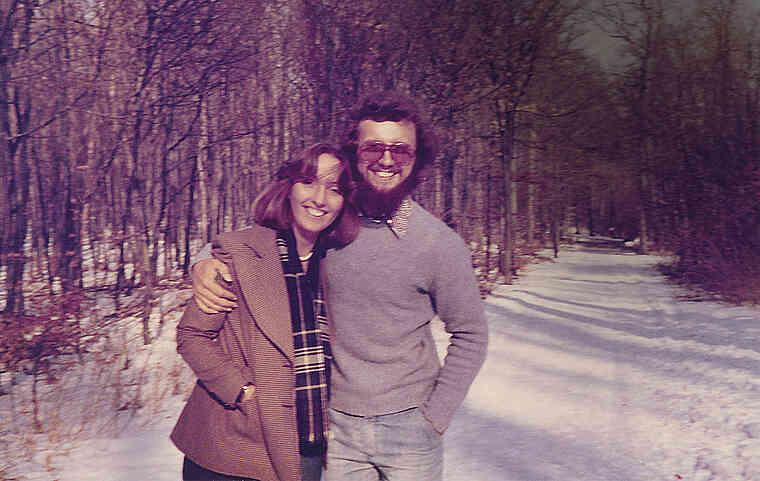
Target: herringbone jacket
[(251, 344)]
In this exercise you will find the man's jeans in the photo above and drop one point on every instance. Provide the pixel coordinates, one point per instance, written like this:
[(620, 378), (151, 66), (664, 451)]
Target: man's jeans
[(401, 446)]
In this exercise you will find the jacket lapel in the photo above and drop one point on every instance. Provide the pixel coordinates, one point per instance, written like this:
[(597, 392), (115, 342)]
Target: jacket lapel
[(259, 270)]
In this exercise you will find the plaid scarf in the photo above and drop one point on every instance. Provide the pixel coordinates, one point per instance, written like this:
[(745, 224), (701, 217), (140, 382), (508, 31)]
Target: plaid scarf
[(311, 343)]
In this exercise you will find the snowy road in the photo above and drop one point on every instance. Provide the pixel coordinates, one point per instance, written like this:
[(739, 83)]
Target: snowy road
[(595, 372)]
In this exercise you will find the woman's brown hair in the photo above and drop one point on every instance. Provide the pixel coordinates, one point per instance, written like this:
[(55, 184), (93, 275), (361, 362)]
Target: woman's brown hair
[(271, 208)]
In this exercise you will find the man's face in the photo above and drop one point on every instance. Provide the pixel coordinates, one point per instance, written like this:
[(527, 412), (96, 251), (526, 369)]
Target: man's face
[(387, 170)]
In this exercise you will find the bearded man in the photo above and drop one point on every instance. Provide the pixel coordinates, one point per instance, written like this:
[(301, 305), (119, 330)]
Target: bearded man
[(390, 398)]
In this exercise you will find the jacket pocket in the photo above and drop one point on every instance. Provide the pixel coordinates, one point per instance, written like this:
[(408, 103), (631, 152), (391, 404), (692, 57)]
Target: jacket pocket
[(246, 419)]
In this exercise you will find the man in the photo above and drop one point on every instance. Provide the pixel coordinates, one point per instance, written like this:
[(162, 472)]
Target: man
[(391, 400)]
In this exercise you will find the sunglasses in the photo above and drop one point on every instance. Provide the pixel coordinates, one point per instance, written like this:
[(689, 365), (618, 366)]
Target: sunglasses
[(401, 154)]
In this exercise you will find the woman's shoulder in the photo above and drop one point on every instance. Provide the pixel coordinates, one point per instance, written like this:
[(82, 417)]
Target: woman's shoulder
[(256, 237), (247, 233)]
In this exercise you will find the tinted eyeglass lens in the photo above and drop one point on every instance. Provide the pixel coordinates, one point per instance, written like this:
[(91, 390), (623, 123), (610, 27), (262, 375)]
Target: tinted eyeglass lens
[(373, 152)]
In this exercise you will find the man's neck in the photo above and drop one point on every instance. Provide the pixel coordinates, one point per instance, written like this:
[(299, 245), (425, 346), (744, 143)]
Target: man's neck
[(398, 222)]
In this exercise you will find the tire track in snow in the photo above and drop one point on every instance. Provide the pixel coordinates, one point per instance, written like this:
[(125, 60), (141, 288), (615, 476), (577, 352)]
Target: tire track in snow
[(596, 371)]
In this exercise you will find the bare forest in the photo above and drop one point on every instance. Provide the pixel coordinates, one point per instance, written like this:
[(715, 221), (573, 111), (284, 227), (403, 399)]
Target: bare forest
[(134, 131)]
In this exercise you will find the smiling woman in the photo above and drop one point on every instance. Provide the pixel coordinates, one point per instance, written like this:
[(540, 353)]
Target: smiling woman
[(319, 177), (274, 346), (315, 202)]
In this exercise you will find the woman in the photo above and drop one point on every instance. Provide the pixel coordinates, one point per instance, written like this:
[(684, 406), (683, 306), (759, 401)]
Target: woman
[(258, 410)]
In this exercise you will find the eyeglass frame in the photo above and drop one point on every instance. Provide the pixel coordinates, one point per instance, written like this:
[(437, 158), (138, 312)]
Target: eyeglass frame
[(387, 148)]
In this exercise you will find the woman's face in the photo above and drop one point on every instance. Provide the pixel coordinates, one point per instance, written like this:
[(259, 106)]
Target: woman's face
[(317, 202)]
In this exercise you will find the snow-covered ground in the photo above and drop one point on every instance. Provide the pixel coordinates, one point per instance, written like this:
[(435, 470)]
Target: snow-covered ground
[(596, 371)]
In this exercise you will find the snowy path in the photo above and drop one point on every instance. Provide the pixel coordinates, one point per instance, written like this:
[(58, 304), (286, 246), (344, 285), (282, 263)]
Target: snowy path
[(595, 373)]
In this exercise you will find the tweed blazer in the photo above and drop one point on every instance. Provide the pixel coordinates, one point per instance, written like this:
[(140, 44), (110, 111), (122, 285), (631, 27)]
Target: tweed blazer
[(251, 344)]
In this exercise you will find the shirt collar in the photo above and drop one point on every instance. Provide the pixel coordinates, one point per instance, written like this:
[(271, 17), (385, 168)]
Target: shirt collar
[(398, 223), (400, 219)]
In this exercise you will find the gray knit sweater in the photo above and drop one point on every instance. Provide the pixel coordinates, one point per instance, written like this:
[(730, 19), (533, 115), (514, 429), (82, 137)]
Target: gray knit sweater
[(382, 293)]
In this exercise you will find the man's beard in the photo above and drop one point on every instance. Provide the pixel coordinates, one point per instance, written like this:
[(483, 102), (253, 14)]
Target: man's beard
[(382, 204)]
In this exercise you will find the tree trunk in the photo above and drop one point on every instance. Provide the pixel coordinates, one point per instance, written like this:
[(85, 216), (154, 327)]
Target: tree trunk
[(532, 154), (204, 225), (506, 134)]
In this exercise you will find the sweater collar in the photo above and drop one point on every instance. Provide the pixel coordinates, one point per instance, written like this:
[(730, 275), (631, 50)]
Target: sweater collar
[(398, 223)]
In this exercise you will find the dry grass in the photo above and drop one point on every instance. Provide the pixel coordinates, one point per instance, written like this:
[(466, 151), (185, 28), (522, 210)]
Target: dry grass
[(729, 282), (115, 383)]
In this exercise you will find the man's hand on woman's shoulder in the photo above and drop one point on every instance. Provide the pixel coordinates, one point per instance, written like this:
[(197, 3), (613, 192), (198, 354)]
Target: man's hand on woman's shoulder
[(209, 294)]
